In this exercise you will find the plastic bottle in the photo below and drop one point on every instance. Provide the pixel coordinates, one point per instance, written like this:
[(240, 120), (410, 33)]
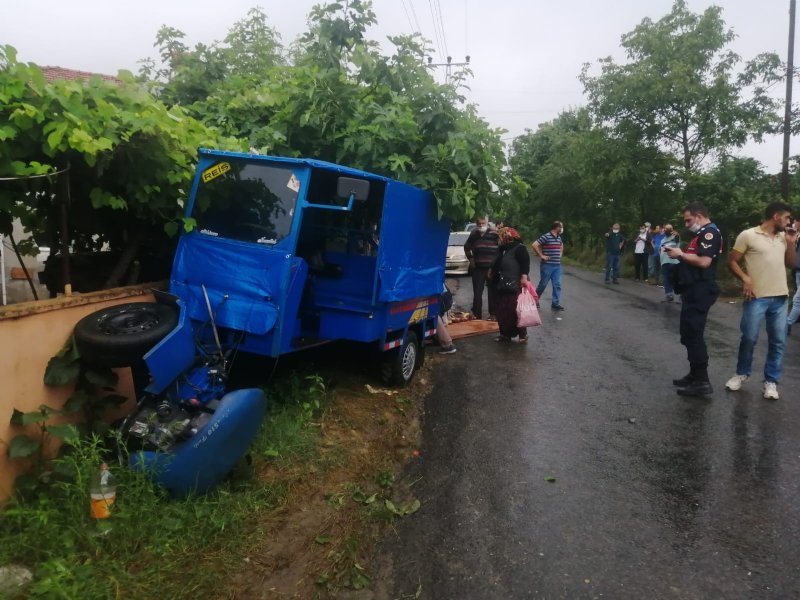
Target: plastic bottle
[(102, 493)]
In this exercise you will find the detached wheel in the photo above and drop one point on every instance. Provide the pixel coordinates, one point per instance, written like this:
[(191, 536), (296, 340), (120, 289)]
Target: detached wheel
[(119, 336), (400, 364)]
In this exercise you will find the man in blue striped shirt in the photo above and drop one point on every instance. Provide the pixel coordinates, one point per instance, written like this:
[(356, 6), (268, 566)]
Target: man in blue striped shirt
[(549, 248)]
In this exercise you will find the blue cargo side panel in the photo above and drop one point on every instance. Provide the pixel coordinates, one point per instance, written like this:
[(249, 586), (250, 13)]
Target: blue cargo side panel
[(413, 244), (242, 281)]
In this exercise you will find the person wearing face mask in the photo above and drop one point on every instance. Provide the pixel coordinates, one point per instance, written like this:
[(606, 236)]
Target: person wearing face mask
[(481, 249), (509, 275), (549, 248), (640, 247), (766, 250), (695, 276), (615, 242), (654, 260), (670, 240)]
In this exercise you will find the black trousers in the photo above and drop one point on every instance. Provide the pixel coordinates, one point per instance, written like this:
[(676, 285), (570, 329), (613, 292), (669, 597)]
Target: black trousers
[(479, 281), (640, 265), (696, 302)]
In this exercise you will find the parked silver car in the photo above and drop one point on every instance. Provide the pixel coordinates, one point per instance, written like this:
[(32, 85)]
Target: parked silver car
[(456, 262)]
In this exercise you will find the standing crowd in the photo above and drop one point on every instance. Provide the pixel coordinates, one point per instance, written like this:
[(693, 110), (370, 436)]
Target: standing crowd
[(500, 263)]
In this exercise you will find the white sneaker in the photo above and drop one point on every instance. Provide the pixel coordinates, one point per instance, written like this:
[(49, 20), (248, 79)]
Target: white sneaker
[(735, 382), (771, 390)]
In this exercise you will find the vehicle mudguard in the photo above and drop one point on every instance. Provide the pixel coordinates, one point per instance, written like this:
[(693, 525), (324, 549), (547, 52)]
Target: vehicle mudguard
[(206, 458)]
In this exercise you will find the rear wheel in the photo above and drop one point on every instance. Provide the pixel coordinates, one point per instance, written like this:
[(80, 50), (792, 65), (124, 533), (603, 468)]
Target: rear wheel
[(119, 336), (400, 364)]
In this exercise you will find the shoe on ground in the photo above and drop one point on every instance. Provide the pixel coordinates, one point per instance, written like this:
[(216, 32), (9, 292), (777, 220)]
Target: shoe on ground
[(771, 390), (669, 299), (696, 388), (607, 281), (616, 281), (647, 281), (557, 307), (661, 286), (735, 383), (683, 381), (491, 318), (451, 349)]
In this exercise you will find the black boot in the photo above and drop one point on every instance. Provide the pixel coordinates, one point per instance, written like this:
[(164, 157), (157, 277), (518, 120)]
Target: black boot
[(696, 388), (698, 385), (683, 381)]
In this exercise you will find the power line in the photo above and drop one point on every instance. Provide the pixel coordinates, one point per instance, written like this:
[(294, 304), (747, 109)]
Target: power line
[(441, 27), (414, 14), (408, 16), (435, 28)]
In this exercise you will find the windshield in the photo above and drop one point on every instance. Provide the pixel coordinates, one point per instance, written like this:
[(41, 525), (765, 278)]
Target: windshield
[(458, 238), (247, 201)]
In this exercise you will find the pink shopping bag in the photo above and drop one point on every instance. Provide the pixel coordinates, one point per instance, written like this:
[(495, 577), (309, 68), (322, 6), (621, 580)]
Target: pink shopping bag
[(527, 312)]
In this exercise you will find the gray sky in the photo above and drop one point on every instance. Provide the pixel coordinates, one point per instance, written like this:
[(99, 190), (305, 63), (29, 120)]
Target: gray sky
[(525, 54)]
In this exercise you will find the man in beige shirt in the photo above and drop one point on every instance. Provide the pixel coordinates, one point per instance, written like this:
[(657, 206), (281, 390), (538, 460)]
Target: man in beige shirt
[(767, 250)]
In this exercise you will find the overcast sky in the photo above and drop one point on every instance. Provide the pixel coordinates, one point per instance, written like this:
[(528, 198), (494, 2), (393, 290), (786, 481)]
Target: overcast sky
[(525, 54)]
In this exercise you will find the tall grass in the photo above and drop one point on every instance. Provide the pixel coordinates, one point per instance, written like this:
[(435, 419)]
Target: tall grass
[(157, 547)]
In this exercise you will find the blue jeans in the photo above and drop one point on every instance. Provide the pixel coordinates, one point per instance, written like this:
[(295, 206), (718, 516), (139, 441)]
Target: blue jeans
[(612, 267), (666, 275), (753, 314), (548, 273), (795, 312)]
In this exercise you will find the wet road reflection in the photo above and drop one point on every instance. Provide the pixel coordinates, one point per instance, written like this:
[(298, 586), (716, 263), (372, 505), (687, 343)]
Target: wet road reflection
[(569, 468)]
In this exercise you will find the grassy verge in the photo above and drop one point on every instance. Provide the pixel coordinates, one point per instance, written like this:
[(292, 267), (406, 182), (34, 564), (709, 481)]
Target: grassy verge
[(300, 517)]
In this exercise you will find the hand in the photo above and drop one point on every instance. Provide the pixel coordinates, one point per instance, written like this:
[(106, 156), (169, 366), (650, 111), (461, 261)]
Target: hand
[(471, 263), (544, 258), (523, 280), (747, 288), (673, 252), (791, 235)]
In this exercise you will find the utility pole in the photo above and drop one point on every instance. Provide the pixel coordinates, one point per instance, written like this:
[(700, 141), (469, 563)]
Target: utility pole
[(787, 119), (450, 64)]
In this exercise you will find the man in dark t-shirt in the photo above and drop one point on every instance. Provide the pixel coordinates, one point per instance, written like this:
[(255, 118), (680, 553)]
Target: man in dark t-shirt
[(696, 278)]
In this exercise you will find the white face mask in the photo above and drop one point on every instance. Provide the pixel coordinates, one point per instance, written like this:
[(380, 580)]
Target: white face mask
[(615, 230), (562, 231), (483, 228), (694, 227)]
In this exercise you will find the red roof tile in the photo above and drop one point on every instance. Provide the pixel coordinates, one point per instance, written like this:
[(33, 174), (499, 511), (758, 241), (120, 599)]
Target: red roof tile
[(58, 73)]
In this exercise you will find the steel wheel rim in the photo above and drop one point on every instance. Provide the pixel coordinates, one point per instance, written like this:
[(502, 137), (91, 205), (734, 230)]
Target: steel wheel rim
[(128, 321), (409, 360)]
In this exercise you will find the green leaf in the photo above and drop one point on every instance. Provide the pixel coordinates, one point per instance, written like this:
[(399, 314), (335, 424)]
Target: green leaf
[(28, 418), (550, 479), (61, 371), (171, 228), (22, 446), (322, 539), (272, 453), (7, 132), (63, 432), (76, 402), (105, 378)]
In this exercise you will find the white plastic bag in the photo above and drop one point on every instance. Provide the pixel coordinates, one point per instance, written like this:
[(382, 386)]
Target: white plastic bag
[(527, 312)]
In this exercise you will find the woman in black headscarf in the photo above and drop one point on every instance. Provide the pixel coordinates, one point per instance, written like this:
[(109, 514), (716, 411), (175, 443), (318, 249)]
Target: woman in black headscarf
[(509, 275)]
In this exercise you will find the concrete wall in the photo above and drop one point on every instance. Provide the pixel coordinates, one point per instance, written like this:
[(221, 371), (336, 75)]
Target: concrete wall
[(30, 334)]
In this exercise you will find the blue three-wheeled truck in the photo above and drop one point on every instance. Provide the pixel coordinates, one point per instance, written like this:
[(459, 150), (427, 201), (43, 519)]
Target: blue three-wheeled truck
[(285, 254)]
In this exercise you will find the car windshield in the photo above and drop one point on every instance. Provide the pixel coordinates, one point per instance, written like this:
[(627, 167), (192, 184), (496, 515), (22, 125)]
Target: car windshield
[(458, 238), (247, 201)]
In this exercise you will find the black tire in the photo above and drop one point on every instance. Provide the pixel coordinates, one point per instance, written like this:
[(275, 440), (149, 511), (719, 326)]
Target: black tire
[(119, 336), (400, 364)]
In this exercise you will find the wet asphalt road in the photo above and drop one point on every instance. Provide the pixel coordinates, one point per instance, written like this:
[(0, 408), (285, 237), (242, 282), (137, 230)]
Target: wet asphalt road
[(655, 495)]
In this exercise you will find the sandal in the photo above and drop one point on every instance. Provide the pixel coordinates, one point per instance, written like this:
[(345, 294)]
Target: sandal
[(523, 340), (502, 338)]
